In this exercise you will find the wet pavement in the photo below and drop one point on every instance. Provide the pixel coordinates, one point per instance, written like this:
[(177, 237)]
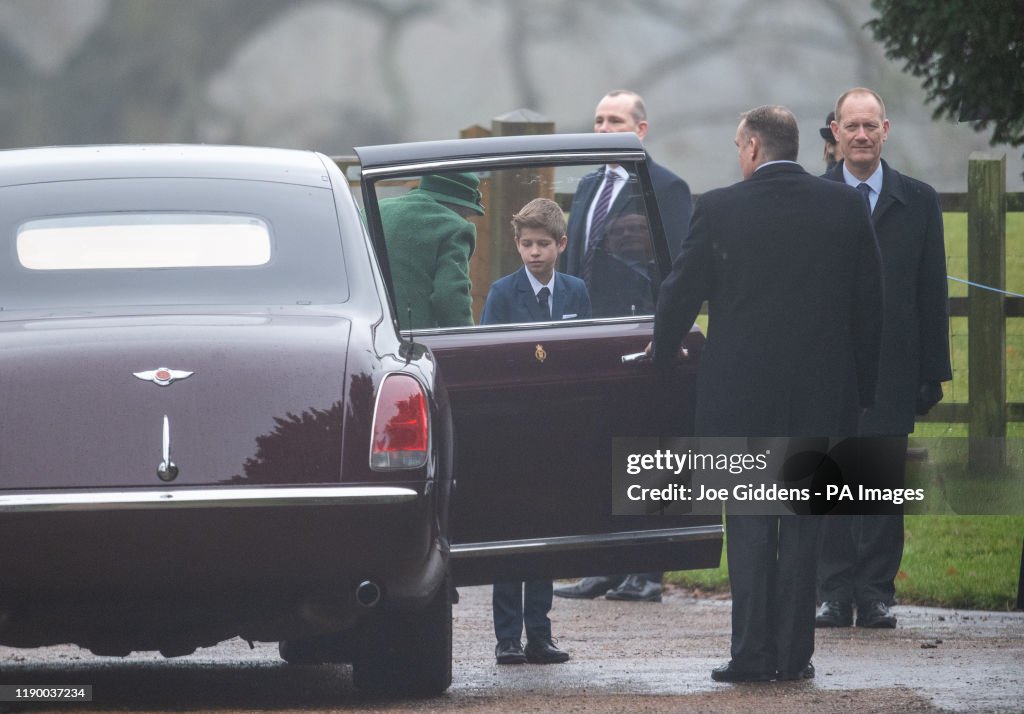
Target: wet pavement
[(626, 657), (942, 659)]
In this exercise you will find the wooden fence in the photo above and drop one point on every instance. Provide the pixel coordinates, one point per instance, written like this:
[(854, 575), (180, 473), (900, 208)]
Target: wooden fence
[(987, 411)]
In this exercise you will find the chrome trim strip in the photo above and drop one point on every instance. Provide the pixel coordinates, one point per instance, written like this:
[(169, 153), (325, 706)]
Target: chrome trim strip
[(166, 451), (522, 326), (589, 157), (569, 543), (240, 497)]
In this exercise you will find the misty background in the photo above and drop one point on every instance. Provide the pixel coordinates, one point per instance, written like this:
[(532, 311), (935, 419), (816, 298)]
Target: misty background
[(333, 74)]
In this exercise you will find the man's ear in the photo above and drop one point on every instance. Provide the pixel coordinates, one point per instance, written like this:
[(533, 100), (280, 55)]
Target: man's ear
[(562, 243)]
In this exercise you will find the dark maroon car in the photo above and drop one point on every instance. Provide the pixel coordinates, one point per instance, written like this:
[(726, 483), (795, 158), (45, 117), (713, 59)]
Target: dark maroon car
[(214, 423)]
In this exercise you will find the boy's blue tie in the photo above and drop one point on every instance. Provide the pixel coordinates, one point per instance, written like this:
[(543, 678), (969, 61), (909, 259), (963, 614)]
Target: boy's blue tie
[(542, 299)]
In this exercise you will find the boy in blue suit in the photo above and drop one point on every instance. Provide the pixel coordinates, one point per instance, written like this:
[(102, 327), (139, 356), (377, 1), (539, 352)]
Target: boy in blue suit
[(534, 293), (520, 297)]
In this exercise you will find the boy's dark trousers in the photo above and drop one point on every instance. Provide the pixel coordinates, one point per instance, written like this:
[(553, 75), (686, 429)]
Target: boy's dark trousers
[(519, 604)]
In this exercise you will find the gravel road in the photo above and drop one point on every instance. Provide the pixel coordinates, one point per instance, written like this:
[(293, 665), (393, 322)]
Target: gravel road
[(626, 657)]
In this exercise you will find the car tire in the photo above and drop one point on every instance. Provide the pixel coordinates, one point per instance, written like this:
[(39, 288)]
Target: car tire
[(408, 653), (314, 650)]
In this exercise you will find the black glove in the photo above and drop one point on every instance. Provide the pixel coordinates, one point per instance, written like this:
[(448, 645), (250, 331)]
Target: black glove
[(928, 395)]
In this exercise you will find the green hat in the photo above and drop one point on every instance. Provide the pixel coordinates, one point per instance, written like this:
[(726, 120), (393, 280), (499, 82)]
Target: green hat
[(461, 189)]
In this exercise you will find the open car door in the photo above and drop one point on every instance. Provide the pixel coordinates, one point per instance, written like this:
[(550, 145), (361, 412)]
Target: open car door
[(536, 406)]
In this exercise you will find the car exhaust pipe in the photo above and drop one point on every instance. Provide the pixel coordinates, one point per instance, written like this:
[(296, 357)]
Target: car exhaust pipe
[(368, 593)]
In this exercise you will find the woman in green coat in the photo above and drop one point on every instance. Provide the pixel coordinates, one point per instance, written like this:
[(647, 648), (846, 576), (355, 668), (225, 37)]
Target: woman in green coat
[(429, 244)]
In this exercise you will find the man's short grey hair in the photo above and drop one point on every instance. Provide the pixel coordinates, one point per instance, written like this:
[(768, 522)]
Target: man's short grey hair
[(777, 129), (859, 90), (639, 110)]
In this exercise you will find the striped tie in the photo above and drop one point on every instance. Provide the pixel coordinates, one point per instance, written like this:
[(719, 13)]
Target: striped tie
[(596, 235)]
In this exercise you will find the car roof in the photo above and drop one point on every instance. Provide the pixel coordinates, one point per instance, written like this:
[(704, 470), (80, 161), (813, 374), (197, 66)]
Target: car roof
[(72, 163)]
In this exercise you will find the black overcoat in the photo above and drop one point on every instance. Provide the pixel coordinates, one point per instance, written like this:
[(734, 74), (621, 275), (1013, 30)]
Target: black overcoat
[(915, 339), (790, 268)]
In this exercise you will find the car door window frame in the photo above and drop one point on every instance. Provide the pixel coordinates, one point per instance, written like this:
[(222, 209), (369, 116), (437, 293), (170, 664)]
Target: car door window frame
[(634, 158)]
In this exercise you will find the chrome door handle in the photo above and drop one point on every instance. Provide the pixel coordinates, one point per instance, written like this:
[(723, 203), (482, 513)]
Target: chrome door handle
[(636, 358), (644, 358)]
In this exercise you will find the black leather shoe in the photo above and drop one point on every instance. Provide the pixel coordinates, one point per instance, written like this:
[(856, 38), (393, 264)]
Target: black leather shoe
[(875, 614), (806, 673), (637, 589), (543, 651), (728, 673), (834, 613), (588, 588), (509, 652)]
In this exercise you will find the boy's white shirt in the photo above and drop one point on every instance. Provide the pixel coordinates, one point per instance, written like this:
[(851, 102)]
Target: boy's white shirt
[(537, 285)]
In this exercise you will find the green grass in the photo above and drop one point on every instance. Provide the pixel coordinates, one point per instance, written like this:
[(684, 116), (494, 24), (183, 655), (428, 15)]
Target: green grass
[(961, 561), (969, 562)]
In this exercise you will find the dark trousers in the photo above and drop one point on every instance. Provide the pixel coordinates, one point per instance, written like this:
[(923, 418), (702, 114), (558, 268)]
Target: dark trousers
[(518, 604), (860, 555), (772, 576)]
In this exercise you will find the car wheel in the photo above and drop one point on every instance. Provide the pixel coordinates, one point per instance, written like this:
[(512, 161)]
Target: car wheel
[(410, 653), (314, 650)]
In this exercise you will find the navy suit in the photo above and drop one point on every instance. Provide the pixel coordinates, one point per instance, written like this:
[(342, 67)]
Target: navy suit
[(511, 299), (617, 289), (860, 555)]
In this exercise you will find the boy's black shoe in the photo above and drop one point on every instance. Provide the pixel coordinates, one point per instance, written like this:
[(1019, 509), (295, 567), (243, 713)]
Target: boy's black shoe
[(543, 651), (509, 652)]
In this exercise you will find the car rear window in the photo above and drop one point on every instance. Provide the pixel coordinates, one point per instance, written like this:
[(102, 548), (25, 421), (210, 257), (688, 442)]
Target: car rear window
[(170, 242), (143, 240)]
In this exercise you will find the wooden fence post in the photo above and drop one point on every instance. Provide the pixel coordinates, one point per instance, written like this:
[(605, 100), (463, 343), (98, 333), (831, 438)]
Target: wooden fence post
[(479, 267), (986, 265), (509, 194)]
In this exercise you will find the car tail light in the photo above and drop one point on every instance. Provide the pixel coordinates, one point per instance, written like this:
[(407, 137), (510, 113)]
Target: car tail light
[(401, 426)]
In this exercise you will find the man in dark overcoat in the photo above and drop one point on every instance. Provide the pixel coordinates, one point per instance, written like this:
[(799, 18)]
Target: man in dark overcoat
[(861, 555), (615, 286), (790, 269)]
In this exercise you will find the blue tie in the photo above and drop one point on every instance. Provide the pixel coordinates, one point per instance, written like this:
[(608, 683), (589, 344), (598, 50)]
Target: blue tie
[(865, 191), (542, 300)]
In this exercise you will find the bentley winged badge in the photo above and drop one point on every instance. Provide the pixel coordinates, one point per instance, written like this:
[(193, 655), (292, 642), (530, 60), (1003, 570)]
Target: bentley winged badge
[(163, 376)]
